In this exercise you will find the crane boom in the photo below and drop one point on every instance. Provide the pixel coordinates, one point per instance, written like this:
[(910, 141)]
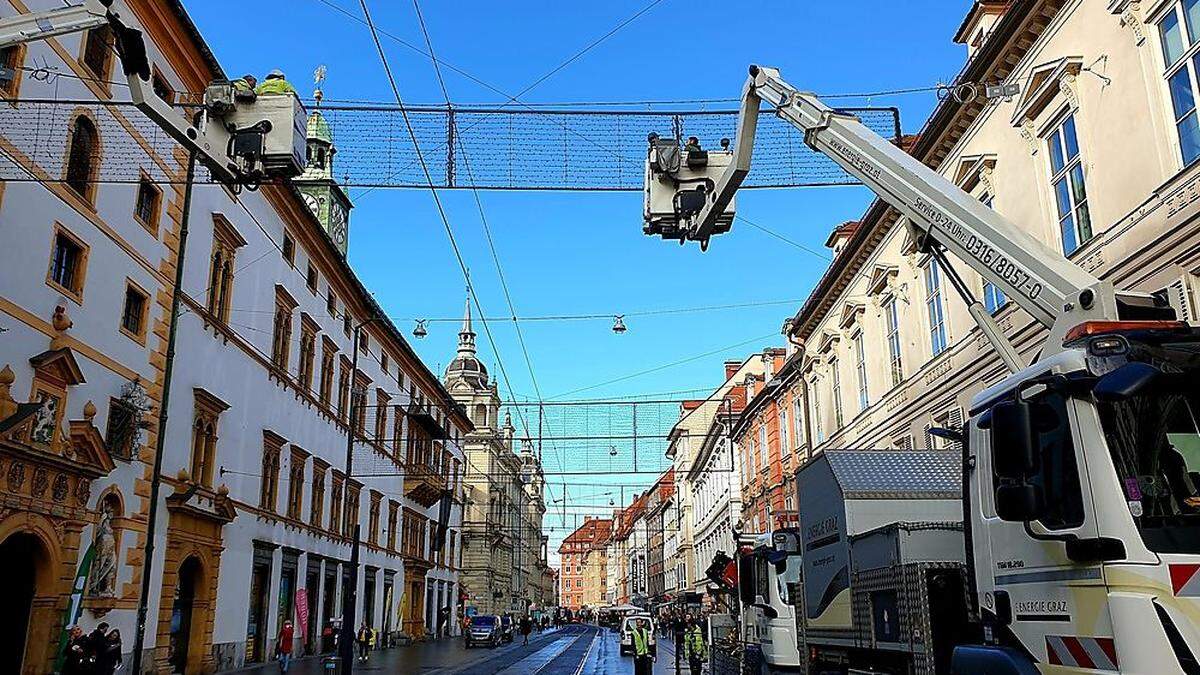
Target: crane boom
[(24, 28), (1055, 291)]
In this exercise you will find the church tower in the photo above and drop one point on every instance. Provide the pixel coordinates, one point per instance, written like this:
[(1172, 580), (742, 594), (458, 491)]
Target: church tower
[(324, 197)]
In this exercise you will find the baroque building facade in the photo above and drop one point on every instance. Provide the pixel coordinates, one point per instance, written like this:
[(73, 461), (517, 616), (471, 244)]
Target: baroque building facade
[(256, 511), (504, 546)]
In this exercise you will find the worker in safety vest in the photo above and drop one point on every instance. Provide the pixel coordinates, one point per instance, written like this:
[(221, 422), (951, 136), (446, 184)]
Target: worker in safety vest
[(275, 83), (643, 661), (243, 88), (694, 649)]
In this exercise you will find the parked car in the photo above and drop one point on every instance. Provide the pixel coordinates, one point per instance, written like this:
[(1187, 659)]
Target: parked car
[(627, 633), (506, 628), (485, 630)]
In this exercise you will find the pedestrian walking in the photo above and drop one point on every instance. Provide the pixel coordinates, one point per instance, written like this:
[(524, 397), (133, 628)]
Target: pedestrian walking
[(643, 660), (526, 628), (364, 642), (109, 659), (694, 648), (283, 646), (77, 660), (678, 629)]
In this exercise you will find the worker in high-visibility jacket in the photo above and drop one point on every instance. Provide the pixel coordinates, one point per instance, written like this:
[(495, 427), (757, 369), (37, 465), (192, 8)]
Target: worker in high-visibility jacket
[(275, 83), (643, 660), (694, 649)]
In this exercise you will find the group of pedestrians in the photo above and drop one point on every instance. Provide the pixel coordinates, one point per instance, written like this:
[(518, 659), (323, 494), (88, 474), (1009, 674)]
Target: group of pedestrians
[(95, 653), (688, 636)]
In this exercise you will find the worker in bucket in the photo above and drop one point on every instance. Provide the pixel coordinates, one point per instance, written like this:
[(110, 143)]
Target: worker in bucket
[(243, 88), (275, 83)]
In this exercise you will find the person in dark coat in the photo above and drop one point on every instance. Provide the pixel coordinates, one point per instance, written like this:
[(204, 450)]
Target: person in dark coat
[(109, 659), (526, 628), (77, 660)]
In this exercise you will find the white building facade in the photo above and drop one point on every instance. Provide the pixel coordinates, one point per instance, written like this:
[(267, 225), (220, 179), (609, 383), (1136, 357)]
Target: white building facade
[(256, 511)]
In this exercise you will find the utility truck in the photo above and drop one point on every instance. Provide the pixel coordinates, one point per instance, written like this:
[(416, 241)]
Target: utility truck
[(1081, 470), (768, 587)]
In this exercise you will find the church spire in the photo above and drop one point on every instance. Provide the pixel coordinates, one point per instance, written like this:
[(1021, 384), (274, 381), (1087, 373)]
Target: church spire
[(466, 336)]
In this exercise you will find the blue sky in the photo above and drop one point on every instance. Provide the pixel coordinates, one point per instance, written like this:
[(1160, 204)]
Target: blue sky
[(584, 252)]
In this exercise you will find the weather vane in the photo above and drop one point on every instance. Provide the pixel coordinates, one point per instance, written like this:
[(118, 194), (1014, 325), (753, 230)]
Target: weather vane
[(318, 78)]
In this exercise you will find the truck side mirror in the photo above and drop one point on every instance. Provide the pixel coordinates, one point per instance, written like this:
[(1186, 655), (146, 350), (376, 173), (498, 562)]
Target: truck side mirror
[(1014, 448), (1019, 503)]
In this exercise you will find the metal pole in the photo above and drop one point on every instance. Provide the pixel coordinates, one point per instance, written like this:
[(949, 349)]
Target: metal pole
[(139, 634), (350, 595)]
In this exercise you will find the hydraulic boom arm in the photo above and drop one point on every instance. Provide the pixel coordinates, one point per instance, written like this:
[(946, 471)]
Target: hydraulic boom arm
[(1058, 293)]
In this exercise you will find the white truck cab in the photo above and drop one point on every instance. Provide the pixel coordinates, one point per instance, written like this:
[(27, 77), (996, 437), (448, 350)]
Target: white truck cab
[(769, 588)]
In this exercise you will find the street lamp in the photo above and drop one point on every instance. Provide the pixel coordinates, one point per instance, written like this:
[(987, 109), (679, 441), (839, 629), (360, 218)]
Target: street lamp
[(350, 596)]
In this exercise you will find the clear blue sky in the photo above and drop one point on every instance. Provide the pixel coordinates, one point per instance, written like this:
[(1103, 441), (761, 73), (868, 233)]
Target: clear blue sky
[(584, 252)]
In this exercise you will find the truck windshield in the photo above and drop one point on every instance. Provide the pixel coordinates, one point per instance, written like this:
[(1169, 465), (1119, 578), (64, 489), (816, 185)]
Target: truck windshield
[(1154, 439)]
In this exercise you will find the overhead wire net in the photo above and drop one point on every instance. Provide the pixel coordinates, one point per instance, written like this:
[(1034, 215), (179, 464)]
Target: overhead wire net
[(507, 148)]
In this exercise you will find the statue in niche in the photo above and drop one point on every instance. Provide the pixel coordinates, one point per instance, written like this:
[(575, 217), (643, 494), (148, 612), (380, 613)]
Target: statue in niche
[(102, 581), (45, 419)]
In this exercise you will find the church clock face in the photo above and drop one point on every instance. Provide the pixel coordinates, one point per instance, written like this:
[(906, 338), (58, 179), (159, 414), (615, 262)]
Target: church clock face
[(311, 201), (337, 224)]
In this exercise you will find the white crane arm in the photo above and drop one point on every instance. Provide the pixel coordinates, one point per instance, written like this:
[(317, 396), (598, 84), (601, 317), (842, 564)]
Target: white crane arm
[(1055, 291), (22, 28)]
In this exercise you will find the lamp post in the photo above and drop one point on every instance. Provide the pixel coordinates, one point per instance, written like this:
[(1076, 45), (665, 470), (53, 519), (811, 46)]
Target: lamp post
[(350, 595)]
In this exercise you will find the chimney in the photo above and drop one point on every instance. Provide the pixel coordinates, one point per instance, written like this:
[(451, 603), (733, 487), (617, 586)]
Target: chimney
[(731, 368)]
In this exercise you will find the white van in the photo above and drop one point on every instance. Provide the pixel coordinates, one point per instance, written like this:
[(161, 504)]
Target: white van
[(627, 633)]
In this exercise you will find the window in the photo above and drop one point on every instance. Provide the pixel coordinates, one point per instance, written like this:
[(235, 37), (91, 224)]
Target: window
[(316, 510), (11, 58), (364, 341), (83, 157), (353, 493), (336, 500), (282, 335), (344, 390), (312, 278), (299, 460), (148, 199), (331, 303), (933, 305), (161, 87), (382, 401), (1179, 32), (764, 455), (289, 249), (268, 491), (97, 51), (798, 417), (308, 351), (226, 242), (836, 383), (346, 324), (373, 518), (393, 510), (1070, 195), (818, 424), (121, 431), (208, 409), (133, 317), (384, 362), (892, 318), (328, 350), (860, 369), (785, 446)]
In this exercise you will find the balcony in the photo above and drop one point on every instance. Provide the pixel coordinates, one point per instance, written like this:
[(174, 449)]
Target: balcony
[(423, 484), (423, 415)]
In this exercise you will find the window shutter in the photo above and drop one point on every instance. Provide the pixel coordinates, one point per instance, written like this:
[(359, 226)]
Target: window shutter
[(905, 442), (930, 441)]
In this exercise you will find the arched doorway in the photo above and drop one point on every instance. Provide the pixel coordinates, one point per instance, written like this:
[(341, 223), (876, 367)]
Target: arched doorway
[(181, 614), (21, 555)]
